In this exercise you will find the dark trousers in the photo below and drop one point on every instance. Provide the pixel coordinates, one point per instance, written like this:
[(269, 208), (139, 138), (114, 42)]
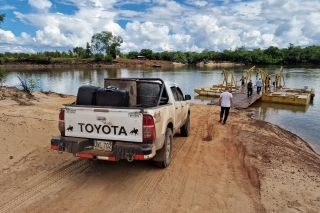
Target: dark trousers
[(258, 90), (249, 92), (225, 111)]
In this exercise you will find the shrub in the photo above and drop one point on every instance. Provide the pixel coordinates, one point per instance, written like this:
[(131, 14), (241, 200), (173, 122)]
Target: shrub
[(43, 60), (108, 59), (29, 85), (98, 57), (3, 76), (33, 84), (2, 60)]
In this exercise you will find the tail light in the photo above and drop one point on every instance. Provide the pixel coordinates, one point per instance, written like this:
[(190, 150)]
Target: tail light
[(148, 128), (61, 123)]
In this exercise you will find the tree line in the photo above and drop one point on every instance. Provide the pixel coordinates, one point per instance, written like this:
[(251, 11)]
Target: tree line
[(272, 55), (105, 47)]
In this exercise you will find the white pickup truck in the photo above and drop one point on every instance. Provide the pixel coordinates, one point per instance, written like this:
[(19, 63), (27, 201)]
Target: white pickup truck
[(130, 118)]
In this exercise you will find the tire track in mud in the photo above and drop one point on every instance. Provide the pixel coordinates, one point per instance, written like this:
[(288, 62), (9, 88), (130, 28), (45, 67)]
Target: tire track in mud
[(177, 144), (153, 180), (51, 179), (214, 136), (209, 136), (142, 177), (170, 196), (152, 183), (150, 190), (147, 192), (192, 153)]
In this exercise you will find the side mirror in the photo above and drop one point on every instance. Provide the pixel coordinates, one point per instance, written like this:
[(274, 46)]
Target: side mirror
[(187, 97)]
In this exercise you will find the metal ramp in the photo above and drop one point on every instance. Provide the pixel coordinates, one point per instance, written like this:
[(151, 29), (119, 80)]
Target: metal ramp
[(240, 100)]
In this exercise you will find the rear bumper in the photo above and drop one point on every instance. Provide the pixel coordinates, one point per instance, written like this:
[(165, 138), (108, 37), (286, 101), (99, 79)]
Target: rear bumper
[(83, 147)]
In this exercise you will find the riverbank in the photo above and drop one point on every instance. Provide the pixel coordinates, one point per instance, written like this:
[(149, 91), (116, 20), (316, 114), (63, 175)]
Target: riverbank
[(84, 63), (246, 165), (117, 63)]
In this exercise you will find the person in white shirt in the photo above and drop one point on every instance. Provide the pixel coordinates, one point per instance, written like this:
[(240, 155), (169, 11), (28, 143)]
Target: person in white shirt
[(225, 101), (259, 85)]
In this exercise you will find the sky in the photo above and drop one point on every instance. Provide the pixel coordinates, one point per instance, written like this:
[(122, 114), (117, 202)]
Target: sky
[(159, 25)]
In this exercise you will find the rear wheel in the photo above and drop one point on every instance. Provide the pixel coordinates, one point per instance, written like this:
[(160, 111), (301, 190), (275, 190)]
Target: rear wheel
[(185, 129), (165, 153)]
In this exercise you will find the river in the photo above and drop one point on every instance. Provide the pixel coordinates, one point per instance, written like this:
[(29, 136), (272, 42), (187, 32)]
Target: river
[(301, 120)]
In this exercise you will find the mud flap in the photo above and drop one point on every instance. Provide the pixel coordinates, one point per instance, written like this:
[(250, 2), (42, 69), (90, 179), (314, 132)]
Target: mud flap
[(70, 144), (125, 150)]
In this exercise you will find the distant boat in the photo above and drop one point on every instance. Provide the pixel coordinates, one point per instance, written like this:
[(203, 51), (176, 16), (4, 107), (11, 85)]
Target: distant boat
[(156, 65)]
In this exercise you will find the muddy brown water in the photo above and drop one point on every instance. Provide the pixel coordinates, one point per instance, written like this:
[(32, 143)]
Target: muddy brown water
[(301, 120)]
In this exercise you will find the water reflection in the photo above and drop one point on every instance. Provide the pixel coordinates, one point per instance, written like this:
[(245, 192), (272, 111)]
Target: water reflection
[(302, 120), (204, 99), (264, 107)]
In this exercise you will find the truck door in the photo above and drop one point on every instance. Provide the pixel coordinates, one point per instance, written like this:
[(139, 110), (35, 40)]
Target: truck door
[(178, 108), (184, 107)]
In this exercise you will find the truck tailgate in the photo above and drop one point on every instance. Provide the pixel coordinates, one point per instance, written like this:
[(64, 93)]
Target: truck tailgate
[(104, 123)]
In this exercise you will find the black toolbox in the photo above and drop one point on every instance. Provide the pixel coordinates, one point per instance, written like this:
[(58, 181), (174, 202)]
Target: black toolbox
[(112, 96), (86, 95)]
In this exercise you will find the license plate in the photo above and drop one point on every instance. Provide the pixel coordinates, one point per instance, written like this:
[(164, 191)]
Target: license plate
[(103, 145)]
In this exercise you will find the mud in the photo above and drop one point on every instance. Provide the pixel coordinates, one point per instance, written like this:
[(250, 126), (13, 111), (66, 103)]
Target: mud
[(246, 165)]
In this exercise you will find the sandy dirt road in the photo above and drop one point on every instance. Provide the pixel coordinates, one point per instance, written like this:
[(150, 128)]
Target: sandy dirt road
[(244, 166)]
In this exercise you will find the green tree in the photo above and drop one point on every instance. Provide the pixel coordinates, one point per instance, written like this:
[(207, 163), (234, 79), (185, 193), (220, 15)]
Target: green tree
[(70, 54), (157, 56), (293, 54), (2, 16), (275, 55), (57, 54), (167, 56), (239, 54), (147, 53), (213, 56), (88, 52), (98, 57), (310, 54), (79, 51), (192, 57), (205, 55), (315, 57), (179, 57), (227, 55), (257, 56), (106, 42), (132, 55), (64, 54)]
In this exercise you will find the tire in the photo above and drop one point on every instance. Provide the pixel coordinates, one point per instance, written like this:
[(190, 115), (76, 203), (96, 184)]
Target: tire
[(185, 129), (165, 153)]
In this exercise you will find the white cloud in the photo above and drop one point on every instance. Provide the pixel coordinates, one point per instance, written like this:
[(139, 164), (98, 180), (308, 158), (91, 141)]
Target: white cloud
[(10, 43), (7, 7), (40, 4), (105, 4), (160, 2), (7, 36), (147, 35), (197, 3), (170, 25)]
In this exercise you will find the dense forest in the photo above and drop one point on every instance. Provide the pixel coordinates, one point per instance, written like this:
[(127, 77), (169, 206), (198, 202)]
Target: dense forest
[(272, 55)]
